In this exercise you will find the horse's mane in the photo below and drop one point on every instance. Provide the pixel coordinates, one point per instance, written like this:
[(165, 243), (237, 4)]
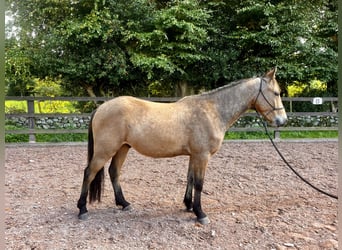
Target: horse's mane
[(226, 86), (209, 93)]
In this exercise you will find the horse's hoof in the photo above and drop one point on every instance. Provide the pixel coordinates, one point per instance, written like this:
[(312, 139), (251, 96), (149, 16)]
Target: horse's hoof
[(204, 221), (83, 216), (189, 210), (127, 208)]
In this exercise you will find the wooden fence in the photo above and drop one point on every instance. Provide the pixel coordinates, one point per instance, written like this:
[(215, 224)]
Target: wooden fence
[(31, 115)]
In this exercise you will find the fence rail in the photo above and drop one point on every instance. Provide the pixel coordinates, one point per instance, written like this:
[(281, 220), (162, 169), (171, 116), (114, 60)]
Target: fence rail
[(31, 115)]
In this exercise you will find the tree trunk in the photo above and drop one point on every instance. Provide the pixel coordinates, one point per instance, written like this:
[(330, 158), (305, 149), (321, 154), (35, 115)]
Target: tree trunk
[(91, 93), (183, 89)]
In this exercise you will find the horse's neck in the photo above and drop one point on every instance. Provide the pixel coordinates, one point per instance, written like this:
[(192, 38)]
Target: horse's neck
[(232, 102)]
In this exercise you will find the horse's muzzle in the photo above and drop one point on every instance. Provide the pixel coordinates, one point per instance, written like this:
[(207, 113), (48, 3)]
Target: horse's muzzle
[(280, 121)]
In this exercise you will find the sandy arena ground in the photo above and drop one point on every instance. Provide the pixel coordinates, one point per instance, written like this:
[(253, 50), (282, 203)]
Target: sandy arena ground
[(250, 196)]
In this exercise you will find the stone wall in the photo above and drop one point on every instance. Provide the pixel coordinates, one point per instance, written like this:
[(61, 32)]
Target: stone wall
[(68, 122), (294, 121)]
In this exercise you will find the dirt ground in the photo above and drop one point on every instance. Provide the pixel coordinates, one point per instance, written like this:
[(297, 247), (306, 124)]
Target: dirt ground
[(250, 196)]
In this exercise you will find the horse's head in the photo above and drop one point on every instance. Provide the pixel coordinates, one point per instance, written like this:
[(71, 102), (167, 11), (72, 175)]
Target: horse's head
[(268, 102)]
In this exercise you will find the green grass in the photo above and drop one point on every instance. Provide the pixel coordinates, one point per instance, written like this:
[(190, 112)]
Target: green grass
[(15, 137), (283, 135), (308, 134), (245, 135), (77, 137)]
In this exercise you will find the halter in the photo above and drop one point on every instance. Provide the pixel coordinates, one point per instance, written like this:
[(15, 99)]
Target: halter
[(270, 104)]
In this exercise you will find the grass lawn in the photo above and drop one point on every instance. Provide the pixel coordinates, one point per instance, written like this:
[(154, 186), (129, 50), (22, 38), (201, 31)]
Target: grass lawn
[(283, 135)]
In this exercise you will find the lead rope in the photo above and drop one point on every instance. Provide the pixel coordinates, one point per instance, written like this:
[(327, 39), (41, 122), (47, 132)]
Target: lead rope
[(293, 170)]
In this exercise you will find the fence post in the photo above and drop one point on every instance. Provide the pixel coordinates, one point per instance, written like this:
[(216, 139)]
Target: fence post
[(31, 120), (276, 134)]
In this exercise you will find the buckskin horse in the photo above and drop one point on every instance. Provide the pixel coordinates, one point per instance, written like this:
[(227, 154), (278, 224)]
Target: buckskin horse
[(194, 126)]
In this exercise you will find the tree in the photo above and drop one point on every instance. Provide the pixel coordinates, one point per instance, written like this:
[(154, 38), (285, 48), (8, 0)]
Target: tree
[(103, 46), (18, 70), (78, 41), (144, 47), (169, 49), (86, 55), (32, 21), (251, 36)]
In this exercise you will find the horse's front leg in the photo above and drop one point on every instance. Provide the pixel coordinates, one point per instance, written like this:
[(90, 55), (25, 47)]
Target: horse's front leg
[(200, 164)]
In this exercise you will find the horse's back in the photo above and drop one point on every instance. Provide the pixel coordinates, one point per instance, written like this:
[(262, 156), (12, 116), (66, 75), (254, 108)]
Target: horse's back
[(134, 110)]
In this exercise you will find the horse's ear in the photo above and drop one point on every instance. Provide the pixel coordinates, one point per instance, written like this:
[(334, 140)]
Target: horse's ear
[(271, 74)]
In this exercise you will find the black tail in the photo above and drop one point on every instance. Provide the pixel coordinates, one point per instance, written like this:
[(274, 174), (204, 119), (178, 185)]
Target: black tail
[(96, 186)]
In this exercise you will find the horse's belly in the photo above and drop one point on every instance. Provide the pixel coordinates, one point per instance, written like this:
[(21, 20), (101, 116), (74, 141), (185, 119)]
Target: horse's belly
[(154, 146)]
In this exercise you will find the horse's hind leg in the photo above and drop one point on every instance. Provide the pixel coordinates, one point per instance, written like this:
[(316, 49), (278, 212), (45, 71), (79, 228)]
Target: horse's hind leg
[(189, 186), (82, 202), (93, 181), (114, 172)]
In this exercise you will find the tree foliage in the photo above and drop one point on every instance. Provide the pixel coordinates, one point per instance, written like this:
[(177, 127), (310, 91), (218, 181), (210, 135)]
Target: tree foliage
[(144, 47), (170, 47), (18, 70), (287, 34)]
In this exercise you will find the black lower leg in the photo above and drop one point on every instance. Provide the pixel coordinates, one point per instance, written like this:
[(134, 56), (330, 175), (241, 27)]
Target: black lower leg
[(188, 199), (188, 194), (189, 186), (119, 197), (197, 200), (82, 202)]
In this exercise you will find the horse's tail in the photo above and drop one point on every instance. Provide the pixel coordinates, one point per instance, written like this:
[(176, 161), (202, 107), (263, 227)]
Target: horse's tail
[(96, 186)]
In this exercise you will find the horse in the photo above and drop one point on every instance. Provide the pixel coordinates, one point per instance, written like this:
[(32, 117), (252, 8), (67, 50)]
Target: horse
[(194, 126)]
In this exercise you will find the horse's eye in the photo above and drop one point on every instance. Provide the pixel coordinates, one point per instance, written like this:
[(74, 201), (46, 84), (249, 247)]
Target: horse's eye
[(276, 93)]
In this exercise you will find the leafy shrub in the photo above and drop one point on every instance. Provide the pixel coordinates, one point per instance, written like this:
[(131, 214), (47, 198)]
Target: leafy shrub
[(314, 88)]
